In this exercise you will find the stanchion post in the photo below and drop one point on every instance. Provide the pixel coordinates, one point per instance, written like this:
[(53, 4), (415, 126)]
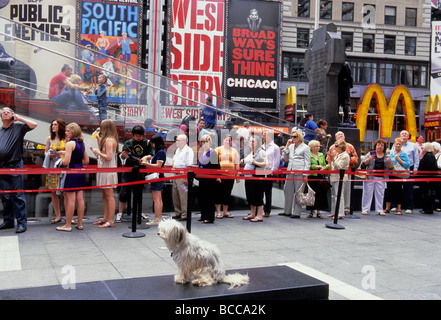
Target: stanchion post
[(136, 192), (351, 210), (190, 178), (335, 225)]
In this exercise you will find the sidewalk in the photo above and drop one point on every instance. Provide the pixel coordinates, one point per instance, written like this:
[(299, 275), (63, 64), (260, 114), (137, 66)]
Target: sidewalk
[(392, 257)]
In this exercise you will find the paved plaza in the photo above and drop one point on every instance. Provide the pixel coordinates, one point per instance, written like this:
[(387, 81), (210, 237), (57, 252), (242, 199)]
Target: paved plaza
[(373, 257)]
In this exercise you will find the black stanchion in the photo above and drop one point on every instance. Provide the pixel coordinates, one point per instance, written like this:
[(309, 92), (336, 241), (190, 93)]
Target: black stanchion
[(335, 225), (190, 178), (136, 208), (351, 210)]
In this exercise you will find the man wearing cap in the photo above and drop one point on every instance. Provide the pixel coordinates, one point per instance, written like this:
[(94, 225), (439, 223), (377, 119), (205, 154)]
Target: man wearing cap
[(210, 113)]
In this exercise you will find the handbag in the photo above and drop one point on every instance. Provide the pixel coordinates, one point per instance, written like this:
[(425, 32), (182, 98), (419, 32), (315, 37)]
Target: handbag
[(305, 199), (151, 176)]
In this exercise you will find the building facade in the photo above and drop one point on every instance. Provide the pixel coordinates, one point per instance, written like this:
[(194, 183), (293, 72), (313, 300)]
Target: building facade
[(386, 44)]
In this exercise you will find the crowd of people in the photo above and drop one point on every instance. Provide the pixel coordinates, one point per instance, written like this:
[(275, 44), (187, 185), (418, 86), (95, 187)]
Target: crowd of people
[(306, 161)]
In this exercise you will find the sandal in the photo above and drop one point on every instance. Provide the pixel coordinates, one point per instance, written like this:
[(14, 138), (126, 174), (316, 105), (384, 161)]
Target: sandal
[(219, 217), (319, 215), (256, 220), (53, 221), (248, 218), (228, 216), (311, 215), (206, 221), (398, 212), (99, 222), (79, 227), (106, 225)]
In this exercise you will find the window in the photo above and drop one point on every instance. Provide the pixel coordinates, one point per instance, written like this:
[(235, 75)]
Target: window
[(302, 38), (411, 17), (410, 46), (303, 8), (294, 67), (347, 11), (389, 44), (390, 15), (348, 37), (369, 43), (325, 9)]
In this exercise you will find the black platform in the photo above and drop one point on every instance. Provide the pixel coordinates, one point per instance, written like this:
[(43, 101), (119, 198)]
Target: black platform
[(267, 283)]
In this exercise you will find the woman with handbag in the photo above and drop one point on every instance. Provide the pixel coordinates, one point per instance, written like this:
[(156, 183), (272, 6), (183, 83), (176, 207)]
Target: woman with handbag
[(339, 161), (157, 161), (394, 191), (298, 155), (55, 149), (318, 181), (375, 160)]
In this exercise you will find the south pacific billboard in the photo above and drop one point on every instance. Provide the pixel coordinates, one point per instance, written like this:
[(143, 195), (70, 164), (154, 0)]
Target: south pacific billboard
[(113, 29)]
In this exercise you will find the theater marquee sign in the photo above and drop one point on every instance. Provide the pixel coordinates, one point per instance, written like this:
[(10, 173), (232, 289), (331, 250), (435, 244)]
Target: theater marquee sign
[(229, 49)]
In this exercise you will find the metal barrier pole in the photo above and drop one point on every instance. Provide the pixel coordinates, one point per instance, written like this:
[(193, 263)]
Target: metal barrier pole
[(136, 192), (335, 225), (190, 178)]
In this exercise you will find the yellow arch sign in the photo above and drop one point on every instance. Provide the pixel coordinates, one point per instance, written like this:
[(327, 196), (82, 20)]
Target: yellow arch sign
[(433, 103), (386, 111)]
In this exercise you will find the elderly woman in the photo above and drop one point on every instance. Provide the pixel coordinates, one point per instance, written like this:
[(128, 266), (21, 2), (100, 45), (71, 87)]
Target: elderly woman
[(339, 161), (299, 158), (394, 191), (375, 160), (318, 163), (427, 163)]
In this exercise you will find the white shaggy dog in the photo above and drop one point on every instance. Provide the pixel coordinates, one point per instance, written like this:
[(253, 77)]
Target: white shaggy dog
[(195, 257)]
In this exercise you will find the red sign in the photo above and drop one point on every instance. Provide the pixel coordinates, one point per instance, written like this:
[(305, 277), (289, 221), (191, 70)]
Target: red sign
[(196, 46)]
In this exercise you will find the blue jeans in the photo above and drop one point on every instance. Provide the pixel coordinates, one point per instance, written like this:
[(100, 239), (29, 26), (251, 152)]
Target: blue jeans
[(14, 204)]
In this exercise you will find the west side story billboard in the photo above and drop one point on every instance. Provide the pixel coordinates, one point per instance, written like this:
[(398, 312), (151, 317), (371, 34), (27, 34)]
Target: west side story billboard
[(230, 49)]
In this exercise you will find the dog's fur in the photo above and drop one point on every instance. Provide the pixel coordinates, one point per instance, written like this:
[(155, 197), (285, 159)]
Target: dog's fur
[(196, 258)]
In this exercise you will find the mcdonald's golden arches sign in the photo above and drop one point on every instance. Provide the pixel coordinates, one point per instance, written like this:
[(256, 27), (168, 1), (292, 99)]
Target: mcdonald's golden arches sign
[(386, 111)]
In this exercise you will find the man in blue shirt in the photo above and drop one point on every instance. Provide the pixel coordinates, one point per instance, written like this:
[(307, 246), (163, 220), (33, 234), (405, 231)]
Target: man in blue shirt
[(414, 161), (209, 114)]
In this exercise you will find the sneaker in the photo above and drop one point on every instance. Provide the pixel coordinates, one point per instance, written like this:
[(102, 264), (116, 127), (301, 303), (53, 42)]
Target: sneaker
[(393, 209), (154, 222), (118, 217), (409, 211), (145, 216)]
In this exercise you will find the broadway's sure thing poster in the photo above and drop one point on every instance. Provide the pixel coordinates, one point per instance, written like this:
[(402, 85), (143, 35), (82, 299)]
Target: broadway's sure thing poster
[(252, 60), (196, 49), (112, 28), (435, 84)]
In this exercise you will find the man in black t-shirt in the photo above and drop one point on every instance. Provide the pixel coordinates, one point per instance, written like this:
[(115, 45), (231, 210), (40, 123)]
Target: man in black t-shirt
[(11, 152), (133, 151)]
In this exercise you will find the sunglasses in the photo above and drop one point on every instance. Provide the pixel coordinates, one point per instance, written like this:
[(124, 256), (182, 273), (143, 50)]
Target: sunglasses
[(294, 136)]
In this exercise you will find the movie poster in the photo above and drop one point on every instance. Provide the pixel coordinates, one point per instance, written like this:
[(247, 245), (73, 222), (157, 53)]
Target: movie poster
[(111, 28), (252, 59), (55, 18), (196, 49)]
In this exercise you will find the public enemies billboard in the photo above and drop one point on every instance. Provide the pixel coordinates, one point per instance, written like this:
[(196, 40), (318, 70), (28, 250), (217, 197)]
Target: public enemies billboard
[(252, 60), (112, 28)]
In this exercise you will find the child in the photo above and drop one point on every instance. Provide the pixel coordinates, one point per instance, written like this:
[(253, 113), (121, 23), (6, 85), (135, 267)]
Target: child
[(101, 96)]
